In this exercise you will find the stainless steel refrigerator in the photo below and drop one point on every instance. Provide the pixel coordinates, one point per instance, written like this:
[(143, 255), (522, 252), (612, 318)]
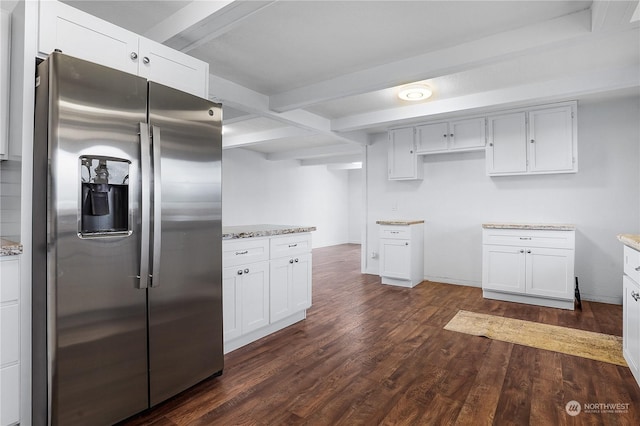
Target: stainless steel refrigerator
[(127, 268)]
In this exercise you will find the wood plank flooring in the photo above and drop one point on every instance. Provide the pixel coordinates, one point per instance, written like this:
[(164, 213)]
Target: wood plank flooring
[(371, 354)]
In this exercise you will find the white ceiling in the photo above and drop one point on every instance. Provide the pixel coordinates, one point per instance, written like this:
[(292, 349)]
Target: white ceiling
[(311, 80)]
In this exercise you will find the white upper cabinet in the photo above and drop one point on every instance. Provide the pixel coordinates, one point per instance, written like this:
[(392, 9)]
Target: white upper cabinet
[(460, 135), (536, 141), (551, 140), (84, 36), (506, 152), (403, 160)]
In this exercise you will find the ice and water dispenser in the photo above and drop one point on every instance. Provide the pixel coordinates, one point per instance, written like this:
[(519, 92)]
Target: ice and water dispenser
[(105, 196)]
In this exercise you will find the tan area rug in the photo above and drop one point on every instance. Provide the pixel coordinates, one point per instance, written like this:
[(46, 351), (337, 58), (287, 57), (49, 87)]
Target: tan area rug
[(586, 344)]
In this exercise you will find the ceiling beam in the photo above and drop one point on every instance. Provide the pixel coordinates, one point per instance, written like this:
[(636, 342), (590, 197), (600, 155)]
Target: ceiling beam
[(337, 159), (567, 87), (214, 24), (315, 152), (256, 138), (240, 97), (185, 18), (454, 59), (611, 14)]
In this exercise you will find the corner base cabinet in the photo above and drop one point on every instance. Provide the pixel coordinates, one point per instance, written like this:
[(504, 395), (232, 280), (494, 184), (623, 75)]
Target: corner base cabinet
[(401, 252), (631, 310), (266, 286), (533, 266)]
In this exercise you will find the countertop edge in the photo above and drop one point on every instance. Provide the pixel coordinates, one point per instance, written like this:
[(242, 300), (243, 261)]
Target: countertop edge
[(239, 233), (399, 222), (531, 226), (10, 248), (630, 240)]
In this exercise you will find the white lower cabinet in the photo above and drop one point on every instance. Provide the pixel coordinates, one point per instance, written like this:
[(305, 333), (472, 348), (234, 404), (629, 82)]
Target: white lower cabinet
[(266, 286), (9, 340), (631, 311), (402, 253), (529, 266)]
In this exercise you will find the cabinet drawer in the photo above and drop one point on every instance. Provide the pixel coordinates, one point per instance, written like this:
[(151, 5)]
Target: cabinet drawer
[(244, 250), (395, 232), (632, 263), (9, 280), (9, 334), (290, 245), (528, 238)]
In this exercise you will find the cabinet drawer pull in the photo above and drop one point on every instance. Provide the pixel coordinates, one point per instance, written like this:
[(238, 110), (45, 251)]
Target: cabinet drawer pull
[(394, 232), (525, 238), (635, 295), (293, 245), (238, 253), (638, 269)]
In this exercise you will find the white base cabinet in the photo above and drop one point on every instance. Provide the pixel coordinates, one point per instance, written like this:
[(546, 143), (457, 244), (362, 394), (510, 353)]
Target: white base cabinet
[(266, 286), (631, 311), (529, 266), (9, 340), (402, 254)]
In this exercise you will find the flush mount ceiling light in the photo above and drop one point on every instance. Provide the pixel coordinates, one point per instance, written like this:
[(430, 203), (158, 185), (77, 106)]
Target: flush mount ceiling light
[(415, 92)]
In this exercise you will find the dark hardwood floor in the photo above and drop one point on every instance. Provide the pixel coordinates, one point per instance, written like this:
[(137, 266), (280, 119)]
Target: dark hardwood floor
[(371, 354)]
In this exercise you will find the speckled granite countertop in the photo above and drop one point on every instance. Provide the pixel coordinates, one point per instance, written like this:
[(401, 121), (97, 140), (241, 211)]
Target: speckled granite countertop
[(249, 231), (534, 226), (631, 240), (399, 222), (9, 248)]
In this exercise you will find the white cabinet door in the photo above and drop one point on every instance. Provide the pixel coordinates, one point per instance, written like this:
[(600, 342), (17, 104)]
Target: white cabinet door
[(395, 259), (169, 67), (432, 138), (506, 152), (86, 37), (403, 160), (231, 303), (550, 272), (301, 282), (631, 324), (255, 296), (503, 269), (9, 395), (551, 140), (281, 304), (9, 334), (468, 134)]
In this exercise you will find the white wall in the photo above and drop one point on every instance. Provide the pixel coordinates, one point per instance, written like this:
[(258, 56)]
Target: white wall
[(256, 190), (456, 197), (356, 208)]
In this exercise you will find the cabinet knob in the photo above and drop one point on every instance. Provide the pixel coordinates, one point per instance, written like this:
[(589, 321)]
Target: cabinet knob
[(529, 251), (133, 56), (532, 141), (406, 244), (522, 251), (146, 60), (239, 271), (635, 295), (411, 152), (638, 269), (290, 260), (296, 260), (444, 136), (246, 271), (451, 135), (490, 143)]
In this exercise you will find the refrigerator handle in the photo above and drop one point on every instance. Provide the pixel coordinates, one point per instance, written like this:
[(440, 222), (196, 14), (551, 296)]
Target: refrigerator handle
[(157, 207), (145, 169)]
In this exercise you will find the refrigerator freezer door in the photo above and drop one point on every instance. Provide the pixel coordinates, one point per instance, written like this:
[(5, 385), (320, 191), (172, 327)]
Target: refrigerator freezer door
[(185, 297), (96, 317)]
